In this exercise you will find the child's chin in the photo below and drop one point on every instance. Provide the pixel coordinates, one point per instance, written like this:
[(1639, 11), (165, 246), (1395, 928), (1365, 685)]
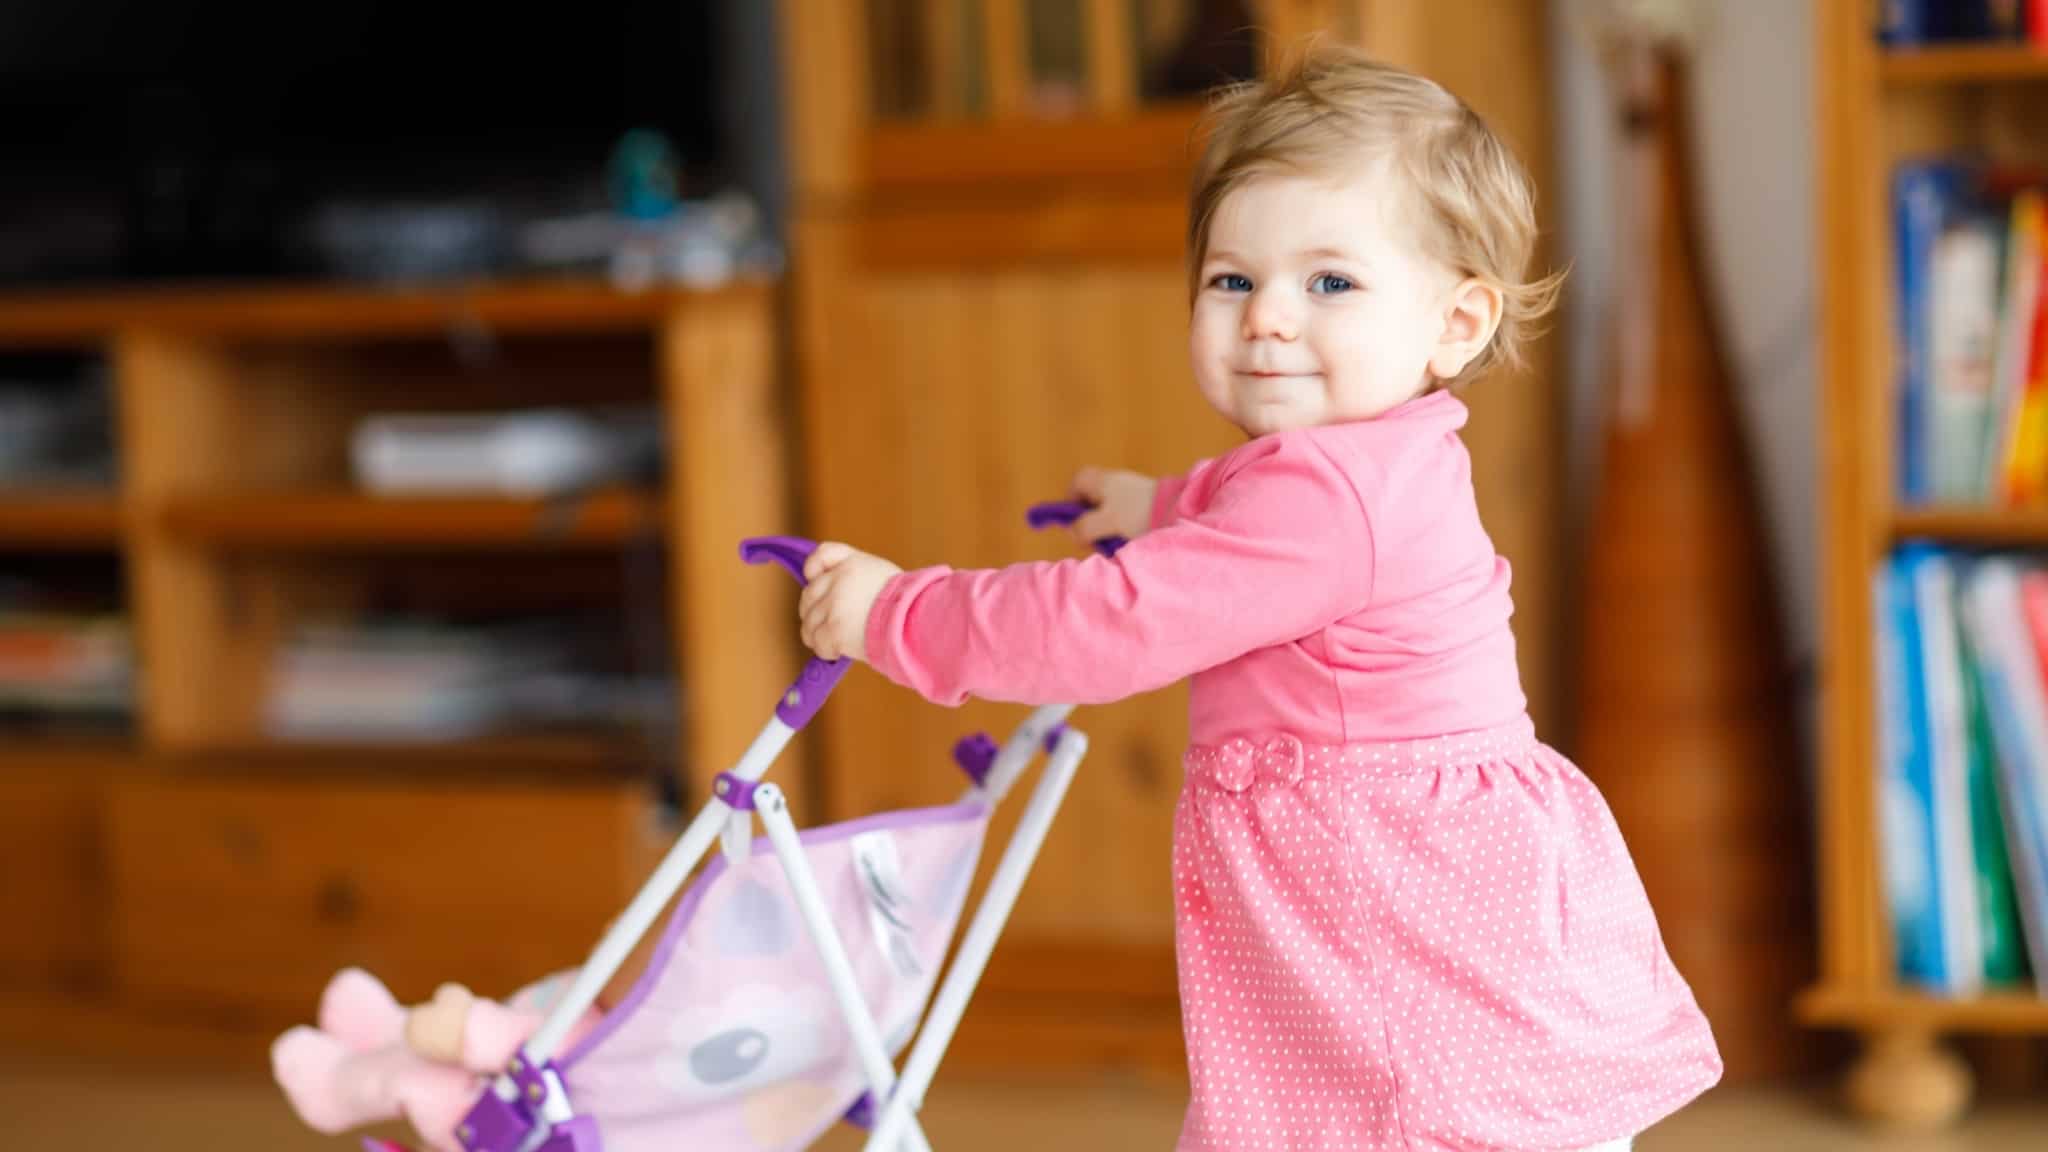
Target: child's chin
[(1265, 421)]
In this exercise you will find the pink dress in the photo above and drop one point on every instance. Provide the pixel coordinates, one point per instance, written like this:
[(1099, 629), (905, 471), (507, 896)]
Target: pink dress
[(1403, 921)]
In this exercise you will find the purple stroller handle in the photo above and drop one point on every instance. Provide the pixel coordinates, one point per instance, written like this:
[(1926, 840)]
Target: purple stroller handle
[(789, 551), (1063, 512), (806, 694)]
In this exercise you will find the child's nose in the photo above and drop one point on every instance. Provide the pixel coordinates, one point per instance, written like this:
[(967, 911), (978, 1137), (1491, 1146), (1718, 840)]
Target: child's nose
[(1270, 315)]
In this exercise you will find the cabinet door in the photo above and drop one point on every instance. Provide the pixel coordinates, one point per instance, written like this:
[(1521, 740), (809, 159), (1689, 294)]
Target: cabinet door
[(990, 291), (1070, 59), (242, 895), (955, 398), (958, 401), (51, 847)]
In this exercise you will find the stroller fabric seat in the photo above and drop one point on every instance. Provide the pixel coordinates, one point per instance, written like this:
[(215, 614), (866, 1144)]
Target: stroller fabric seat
[(732, 1039)]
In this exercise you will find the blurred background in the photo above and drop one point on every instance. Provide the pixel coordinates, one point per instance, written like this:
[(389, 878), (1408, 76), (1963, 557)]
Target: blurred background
[(384, 391)]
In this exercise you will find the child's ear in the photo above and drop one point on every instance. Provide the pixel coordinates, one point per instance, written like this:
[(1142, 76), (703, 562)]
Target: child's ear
[(1471, 315)]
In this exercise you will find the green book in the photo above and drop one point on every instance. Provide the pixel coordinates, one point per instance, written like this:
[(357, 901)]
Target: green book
[(1998, 914)]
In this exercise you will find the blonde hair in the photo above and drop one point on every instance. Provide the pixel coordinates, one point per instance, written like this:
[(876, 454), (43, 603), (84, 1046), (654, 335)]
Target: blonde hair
[(1336, 110)]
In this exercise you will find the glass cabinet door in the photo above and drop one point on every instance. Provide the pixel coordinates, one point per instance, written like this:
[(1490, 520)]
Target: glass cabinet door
[(946, 60), (1186, 47)]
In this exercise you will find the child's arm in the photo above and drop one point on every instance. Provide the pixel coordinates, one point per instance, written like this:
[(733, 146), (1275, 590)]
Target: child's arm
[(1166, 498), (1281, 550)]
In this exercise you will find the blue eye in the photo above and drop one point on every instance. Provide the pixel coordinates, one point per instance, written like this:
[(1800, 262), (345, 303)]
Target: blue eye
[(1330, 284), (1231, 282)]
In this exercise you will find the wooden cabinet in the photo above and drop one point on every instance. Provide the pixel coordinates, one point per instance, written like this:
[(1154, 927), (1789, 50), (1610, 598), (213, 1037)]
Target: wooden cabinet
[(1877, 108), (52, 859), (212, 869), (991, 292), (238, 895), (988, 292)]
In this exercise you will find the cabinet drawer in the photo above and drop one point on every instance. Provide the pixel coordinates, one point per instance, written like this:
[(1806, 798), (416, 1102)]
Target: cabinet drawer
[(244, 895), (52, 891)]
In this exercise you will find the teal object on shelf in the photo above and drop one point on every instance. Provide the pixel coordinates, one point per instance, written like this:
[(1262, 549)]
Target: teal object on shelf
[(645, 174)]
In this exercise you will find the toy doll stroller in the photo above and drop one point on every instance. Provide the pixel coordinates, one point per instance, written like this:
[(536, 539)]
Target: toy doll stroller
[(781, 991)]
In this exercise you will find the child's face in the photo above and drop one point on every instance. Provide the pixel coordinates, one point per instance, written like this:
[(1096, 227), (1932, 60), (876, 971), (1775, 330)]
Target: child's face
[(1316, 306)]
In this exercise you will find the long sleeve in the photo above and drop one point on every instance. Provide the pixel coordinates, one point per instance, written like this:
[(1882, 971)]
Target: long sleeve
[(1166, 497), (1281, 548)]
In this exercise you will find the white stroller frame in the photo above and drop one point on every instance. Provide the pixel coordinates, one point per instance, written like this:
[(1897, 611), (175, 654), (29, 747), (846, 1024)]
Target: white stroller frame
[(526, 1108)]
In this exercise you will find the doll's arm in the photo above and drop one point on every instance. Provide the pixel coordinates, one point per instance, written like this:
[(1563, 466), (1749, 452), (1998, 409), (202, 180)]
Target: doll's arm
[(461, 1029), (436, 1029)]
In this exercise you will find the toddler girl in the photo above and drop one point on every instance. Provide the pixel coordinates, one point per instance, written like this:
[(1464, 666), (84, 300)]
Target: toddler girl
[(1403, 922)]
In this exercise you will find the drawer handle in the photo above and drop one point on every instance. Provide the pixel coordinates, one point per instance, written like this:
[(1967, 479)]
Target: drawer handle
[(244, 844), (338, 901), (1141, 767)]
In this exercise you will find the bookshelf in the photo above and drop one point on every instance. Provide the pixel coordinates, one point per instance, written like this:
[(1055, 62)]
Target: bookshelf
[(1905, 67), (37, 520), (341, 520), (1877, 106), (203, 872), (1993, 527)]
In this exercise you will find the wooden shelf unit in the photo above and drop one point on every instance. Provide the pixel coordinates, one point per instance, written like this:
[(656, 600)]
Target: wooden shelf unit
[(1963, 64), (1875, 108), (1995, 1013), (35, 521), (538, 756), (301, 312), (1974, 527), (352, 521), (235, 515)]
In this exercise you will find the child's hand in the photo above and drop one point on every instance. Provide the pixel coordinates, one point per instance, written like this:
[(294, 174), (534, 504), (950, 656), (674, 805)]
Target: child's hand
[(1123, 503), (843, 583)]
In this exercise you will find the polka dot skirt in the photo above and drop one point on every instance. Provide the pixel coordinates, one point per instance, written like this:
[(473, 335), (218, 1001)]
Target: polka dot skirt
[(1436, 944)]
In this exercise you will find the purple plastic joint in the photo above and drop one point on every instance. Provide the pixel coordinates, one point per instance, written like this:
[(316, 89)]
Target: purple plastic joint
[(807, 693), (576, 1134), (734, 791), (1052, 737), (495, 1124), (862, 1114), (532, 1083), (975, 755)]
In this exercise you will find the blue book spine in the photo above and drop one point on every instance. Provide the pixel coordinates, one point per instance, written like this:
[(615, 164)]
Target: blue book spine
[(1906, 783), (1924, 195), (1902, 22)]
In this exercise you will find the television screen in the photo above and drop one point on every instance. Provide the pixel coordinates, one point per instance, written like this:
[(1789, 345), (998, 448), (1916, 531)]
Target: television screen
[(153, 139)]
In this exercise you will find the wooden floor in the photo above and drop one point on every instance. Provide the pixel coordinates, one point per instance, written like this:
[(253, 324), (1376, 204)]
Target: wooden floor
[(86, 1112)]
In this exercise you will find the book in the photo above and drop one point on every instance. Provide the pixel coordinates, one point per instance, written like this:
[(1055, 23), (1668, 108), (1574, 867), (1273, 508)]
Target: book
[(2018, 449), (1998, 919), (1962, 339), (1934, 589), (2017, 707), (1925, 198), (1905, 784), (1907, 23)]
